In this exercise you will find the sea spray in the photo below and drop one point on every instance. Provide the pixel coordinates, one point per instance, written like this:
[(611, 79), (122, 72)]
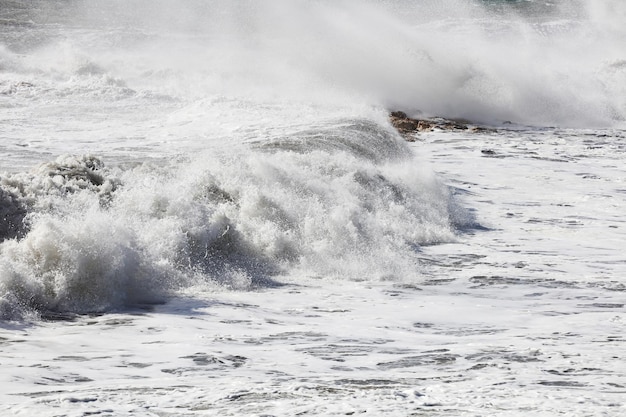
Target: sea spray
[(552, 63)]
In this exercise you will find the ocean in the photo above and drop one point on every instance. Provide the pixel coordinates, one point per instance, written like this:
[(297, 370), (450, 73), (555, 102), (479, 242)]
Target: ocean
[(206, 208)]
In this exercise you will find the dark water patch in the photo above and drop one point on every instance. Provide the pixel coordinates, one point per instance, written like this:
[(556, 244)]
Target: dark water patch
[(258, 399), (554, 313), (614, 286), (480, 366), (82, 400), (521, 358), (7, 341), (407, 287), (367, 342), (329, 310), (535, 294), (469, 332), (236, 306), (232, 321), (42, 366), (567, 334), (588, 176), (394, 293), (504, 356), (458, 261), (340, 368), (69, 379), (204, 359), (137, 365), (365, 384), (178, 371), (58, 316), (548, 159), (490, 153), (556, 336), (119, 322), (564, 384), (290, 337), (601, 305), (438, 281), (250, 396), (337, 352), (443, 350), (457, 332), (420, 360), (41, 394), (579, 372), (566, 222), (484, 281), (72, 358)]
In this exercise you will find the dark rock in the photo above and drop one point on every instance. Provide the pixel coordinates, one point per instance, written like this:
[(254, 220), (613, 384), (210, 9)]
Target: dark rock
[(409, 127)]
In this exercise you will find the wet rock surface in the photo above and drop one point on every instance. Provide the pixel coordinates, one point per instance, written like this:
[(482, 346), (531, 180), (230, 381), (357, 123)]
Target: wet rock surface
[(410, 127)]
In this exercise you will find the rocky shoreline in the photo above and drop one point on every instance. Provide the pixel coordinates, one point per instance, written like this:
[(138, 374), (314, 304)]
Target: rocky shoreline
[(410, 127)]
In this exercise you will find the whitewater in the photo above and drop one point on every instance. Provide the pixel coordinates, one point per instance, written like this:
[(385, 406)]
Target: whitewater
[(205, 208)]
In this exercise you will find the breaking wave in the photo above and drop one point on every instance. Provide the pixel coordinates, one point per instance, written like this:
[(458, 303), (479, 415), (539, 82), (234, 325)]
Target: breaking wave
[(349, 201)]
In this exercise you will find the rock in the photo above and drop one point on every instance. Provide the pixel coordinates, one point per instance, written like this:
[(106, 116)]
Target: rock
[(409, 127)]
